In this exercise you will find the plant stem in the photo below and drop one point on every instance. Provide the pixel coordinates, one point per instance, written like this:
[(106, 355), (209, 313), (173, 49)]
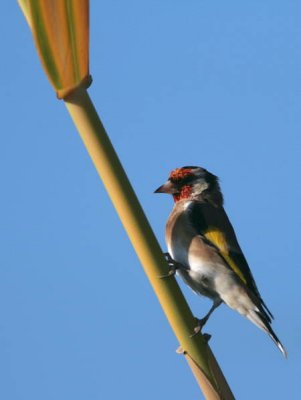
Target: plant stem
[(144, 241)]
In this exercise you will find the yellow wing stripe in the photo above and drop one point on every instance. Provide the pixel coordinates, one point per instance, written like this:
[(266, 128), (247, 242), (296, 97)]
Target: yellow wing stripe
[(219, 240)]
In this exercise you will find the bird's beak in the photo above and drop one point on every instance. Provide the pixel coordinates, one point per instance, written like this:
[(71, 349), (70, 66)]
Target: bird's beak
[(168, 188)]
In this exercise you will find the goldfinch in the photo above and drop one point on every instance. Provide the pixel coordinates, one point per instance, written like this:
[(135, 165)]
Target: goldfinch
[(203, 247)]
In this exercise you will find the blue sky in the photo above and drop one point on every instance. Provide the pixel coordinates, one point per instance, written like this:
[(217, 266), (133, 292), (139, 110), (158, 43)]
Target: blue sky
[(215, 84)]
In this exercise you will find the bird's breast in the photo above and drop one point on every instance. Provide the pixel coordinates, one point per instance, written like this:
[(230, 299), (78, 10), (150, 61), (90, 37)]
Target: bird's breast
[(178, 235), (187, 247), (184, 243)]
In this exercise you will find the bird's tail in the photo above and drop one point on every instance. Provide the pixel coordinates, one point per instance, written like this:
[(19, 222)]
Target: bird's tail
[(260, 319)]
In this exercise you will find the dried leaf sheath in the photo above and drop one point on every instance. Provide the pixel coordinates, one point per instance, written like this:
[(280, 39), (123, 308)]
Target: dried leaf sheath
[(61, 35)]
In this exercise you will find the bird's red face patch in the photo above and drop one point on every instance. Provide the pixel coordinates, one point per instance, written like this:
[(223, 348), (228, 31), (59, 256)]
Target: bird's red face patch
[(179, 173), (185, 193)]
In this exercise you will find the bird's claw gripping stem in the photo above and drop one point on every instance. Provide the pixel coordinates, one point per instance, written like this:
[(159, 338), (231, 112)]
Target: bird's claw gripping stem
[(173, 266), (198, 328)]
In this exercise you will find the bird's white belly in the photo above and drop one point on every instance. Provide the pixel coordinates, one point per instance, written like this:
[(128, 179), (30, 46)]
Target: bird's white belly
[(197, 273), (196, 265)]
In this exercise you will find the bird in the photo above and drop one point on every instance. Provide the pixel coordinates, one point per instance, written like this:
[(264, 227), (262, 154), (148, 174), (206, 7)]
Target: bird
[(204, 251)]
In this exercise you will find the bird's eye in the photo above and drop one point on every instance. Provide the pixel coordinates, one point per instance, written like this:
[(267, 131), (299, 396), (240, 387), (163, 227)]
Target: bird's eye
[(182, 180), (176, 180), (187, 179)]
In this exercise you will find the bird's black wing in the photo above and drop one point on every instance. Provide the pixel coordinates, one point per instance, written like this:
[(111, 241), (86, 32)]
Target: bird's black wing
[(214, 225)]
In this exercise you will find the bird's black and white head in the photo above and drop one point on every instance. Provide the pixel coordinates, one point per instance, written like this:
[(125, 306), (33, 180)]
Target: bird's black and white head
[(193, 183)]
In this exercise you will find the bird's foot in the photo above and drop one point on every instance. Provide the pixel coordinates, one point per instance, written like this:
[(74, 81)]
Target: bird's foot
[(198, 328), (173, 266)]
